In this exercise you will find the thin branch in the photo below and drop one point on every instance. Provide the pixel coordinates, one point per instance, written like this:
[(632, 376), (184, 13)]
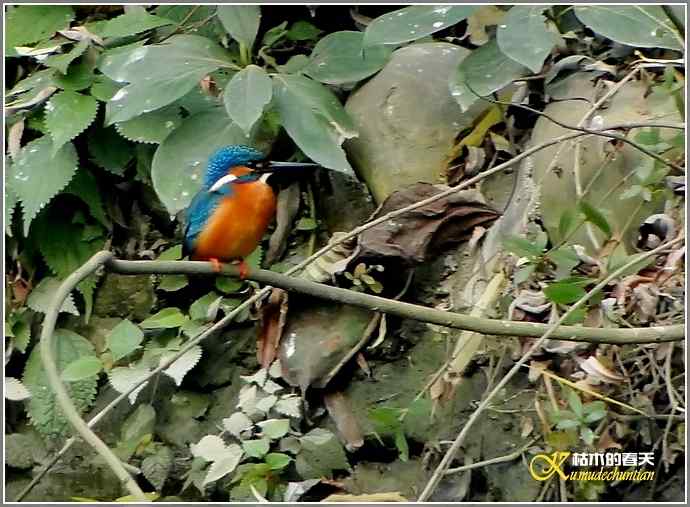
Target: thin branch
[(406, 310), (498, 459), (459, 440)]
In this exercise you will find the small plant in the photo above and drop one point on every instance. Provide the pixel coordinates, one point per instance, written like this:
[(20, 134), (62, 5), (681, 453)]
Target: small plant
[(362, 280), (580, 416)]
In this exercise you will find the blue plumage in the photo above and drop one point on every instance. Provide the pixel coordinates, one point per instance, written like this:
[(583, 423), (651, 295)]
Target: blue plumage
[(230, 156)]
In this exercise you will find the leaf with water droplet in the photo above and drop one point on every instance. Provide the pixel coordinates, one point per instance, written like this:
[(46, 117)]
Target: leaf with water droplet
[(151, 127), (38, 175), (67, 115), (246, 95), (414, 22)]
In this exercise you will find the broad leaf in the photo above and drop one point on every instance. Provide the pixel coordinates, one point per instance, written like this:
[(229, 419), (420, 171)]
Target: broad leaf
[(159, 74), (314, 119), (341, 58), (522, 247), (523, 36), (104, 88), (564, 293), (42, 407), (241, 22), (67, 115), (256, 448), (151, 127), (172, 283), (183, 364), (84, 186), (37, 176), (246, 96), (210, 448), (166, 318), (237, 423), (483, 72), (180, 161), (133, 22), (125, 378), (415, 22), (42, 296), (275, 428), (82, 368), (124, 339), (225, 465), (31, 23), (277, 460), (645, 26), (15, 390), (157, 467)]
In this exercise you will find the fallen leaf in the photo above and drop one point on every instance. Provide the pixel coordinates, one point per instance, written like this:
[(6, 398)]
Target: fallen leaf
[(596, 369), (273, 315), (606, 441), (418, 235), (340, 410)]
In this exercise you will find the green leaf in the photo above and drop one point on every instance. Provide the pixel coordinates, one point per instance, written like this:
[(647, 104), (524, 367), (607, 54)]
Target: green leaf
[(565, 259), (173, 283), (641, 26), (587, 435), (199, 309), (306, 224), (314, 118), (275, 428), (241, 22), (133, 22), (227, 464), (576, 317), (565, 224), (523, 36), (41, 297), (156, 467), (595, 217), (595, 415), (124, 339), (321, 453), (228, 284), (575, 403), (82, 368), (246, 96), (564, 293), (109, 150), (521, 247), (565, 424), (294, 65), (43, 410), (180, 161), (274, 34), (61, 62), (303, 30), (256, 448), (277, 460), (84, 186), (340, 58), (67, 115), (78, 77), (104, 88), (37, 176), (483, 72), (167, 318), (151, 127), (159, 74), (32, 23), (401, 445), (174, 253), (415, 22)]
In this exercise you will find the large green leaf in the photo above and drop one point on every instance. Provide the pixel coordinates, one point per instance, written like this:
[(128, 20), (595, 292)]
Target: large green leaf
[(485, 71), (180, 160), (67, 115), (43, 410), (523, 36), (314, 119), (31, 23), (645, 26), (82, 368), (61, 62), (37, 176), (341, 58), (159, 74), (241, 22), (42, 296), (84, 186), (246, 95), (167, 318), (133, 22), (124, 339), (415, 22), (151, 127)]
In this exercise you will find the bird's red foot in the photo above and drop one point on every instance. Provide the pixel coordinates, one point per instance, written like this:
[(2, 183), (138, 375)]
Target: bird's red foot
[(244, 270), (217, 266)]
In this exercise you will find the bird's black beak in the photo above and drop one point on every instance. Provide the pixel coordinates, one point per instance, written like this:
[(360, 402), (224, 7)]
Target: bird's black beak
[(272, 166)]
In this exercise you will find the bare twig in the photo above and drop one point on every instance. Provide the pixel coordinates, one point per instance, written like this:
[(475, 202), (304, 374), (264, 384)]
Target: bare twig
[(459, 440), (498, 459)]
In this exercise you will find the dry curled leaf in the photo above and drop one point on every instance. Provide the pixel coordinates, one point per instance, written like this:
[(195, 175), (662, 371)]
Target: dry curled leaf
[(597, 370), (332, 262), (287, 207), (273, 315), (340, 410), (418, 235)]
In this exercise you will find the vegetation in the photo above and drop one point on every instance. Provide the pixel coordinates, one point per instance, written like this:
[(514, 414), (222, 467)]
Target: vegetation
[(111, 114)]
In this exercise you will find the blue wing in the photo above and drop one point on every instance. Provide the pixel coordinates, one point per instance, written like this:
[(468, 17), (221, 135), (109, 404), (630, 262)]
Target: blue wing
[(198, 213)]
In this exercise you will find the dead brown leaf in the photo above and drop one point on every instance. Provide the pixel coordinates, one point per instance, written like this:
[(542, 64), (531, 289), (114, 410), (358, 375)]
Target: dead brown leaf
[(418, 235), (340, 410), (273, 315)]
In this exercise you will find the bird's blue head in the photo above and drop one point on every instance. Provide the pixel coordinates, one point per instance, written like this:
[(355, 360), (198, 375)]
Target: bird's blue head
[(230, 156)]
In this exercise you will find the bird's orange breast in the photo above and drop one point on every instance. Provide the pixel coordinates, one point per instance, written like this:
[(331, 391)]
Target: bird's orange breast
[(238, 223)]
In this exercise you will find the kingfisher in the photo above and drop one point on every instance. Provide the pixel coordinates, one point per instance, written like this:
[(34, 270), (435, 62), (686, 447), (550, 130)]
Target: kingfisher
[(230, 214)]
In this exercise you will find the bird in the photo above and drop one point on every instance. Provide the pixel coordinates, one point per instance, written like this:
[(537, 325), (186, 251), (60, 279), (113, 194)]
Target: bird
[(230, 214)]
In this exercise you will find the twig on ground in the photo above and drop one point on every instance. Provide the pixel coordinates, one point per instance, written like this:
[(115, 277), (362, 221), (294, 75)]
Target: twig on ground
[(499, 459), (457, 443)]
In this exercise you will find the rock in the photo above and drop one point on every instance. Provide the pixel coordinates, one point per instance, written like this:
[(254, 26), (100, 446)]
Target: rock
[(407, 120), (338, 192), (125, 296)]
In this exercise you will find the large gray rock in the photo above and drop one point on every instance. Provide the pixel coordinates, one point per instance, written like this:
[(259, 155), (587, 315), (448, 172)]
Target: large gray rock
[(407, 119)]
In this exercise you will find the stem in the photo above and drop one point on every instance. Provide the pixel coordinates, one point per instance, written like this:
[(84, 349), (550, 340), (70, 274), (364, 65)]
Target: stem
[(245, 57), (312, 215)]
